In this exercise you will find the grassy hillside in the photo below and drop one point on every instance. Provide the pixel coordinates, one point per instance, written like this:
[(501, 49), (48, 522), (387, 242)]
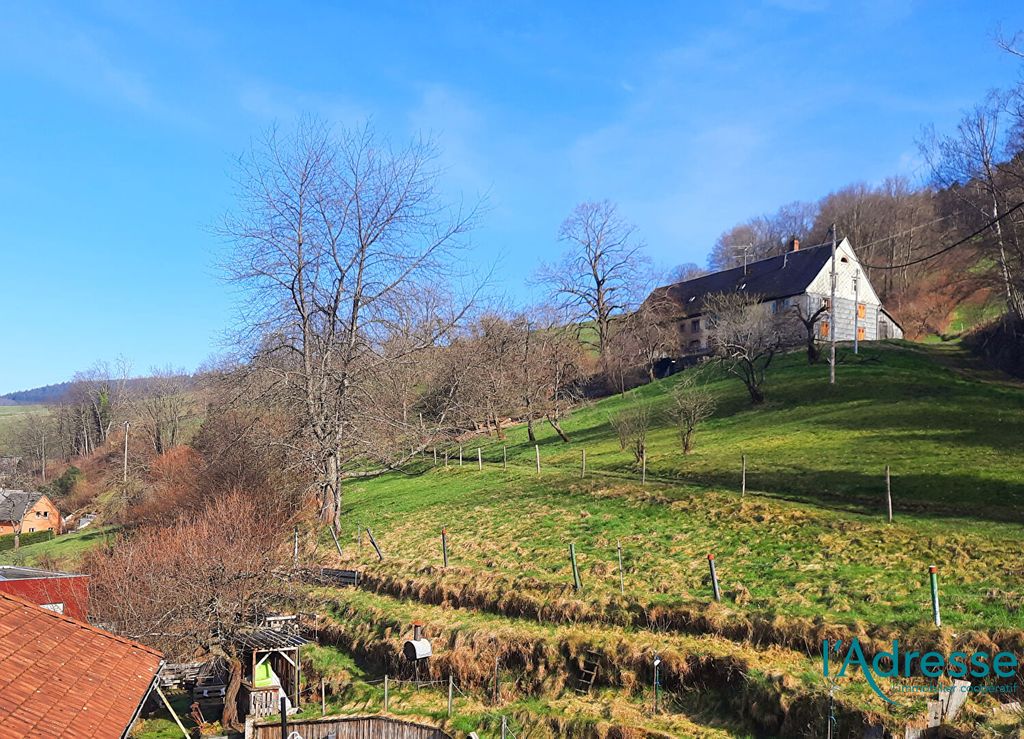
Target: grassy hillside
[(955, 444), (10, 414), (807, 553)]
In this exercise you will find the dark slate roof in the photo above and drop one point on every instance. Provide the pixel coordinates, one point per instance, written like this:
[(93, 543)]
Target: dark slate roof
[(775, 277), (14, 503)]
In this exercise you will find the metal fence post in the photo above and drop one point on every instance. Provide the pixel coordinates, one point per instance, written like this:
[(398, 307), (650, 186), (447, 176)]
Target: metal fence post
[(714, 577)]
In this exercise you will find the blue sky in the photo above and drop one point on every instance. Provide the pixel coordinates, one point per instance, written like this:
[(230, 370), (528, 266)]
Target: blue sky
[(120, 121)]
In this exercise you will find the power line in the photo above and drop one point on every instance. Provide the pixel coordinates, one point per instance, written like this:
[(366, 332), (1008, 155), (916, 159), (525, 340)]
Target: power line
[(952, 246), (905, 232)]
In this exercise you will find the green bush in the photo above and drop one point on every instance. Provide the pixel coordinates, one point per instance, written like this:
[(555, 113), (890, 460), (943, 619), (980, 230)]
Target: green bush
[(64, 485), (34, 537)]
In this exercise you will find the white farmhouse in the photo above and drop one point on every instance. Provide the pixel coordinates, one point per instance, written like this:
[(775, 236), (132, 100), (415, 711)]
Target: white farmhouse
[(798, 277)]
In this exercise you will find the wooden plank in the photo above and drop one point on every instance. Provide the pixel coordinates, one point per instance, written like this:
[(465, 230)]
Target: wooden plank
[(356, 727)]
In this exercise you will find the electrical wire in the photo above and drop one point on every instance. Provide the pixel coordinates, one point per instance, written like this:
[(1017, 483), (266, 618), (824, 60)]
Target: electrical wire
[(907, 231), (952, 246)]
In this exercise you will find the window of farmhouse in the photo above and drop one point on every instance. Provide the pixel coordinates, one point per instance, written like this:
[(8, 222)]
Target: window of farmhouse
[(695, 325), (861, 310), (860, 333)]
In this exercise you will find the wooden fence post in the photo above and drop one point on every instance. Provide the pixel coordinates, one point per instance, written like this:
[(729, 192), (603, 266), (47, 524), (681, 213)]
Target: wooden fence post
[(479, 460), (536, 448), (385, 694), (934, 577), (504, 457), (622, 586), (375, 547), (451, 693), (460, 455), (643, 473), (444, 545), (583, 462), (743, 479), (577, 584), (335, 537), (888, 492), (435, 456), (497, 681)]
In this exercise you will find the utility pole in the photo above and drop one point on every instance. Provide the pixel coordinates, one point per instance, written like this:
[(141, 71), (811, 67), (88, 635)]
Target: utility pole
[(125, 475), (856, 313), (832, 314)]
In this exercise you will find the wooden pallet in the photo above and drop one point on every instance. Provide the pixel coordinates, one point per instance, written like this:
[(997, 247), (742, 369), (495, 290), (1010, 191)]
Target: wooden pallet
[(589, 672)]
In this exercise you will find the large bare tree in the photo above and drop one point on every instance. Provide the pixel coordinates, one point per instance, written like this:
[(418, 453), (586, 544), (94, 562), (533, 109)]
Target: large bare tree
[(602, 272), (744, 336), (337, 236)]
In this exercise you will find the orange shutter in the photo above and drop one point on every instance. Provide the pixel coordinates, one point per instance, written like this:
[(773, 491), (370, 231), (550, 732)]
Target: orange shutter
[(861, 310), (824, 329), (860, 333)]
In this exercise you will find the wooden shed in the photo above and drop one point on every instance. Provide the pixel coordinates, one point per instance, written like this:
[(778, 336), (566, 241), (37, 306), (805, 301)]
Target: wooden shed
[(271, 664)]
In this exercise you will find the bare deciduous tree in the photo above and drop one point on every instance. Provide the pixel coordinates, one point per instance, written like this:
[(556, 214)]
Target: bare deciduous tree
[(649, 334), (692, 404), (762, 236), (337, 237), (631, 425), (601, 273), (809, 320), (744, 336), (156, 584), (163, 402)]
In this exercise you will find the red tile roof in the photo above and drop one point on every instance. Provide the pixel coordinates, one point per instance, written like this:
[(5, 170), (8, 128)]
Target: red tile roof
[(64, 678)]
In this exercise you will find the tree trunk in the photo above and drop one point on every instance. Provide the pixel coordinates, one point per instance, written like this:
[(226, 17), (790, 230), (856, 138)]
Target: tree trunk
[(330, 494), (529, 430), (229, 717), (498, 429), (558, 429), (812, 347)]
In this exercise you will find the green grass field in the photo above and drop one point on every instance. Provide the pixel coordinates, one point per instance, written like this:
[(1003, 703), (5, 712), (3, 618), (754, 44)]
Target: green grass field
[(807, 552), (10, 414), (60, 552)]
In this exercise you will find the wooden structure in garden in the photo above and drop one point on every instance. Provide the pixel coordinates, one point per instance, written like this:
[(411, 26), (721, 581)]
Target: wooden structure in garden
[(271, 664)]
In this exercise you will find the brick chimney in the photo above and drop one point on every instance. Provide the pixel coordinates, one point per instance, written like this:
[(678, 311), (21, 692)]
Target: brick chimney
[(794, 244)]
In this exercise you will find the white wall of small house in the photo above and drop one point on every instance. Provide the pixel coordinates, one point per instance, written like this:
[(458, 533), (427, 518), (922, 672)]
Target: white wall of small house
[(853, 289)]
